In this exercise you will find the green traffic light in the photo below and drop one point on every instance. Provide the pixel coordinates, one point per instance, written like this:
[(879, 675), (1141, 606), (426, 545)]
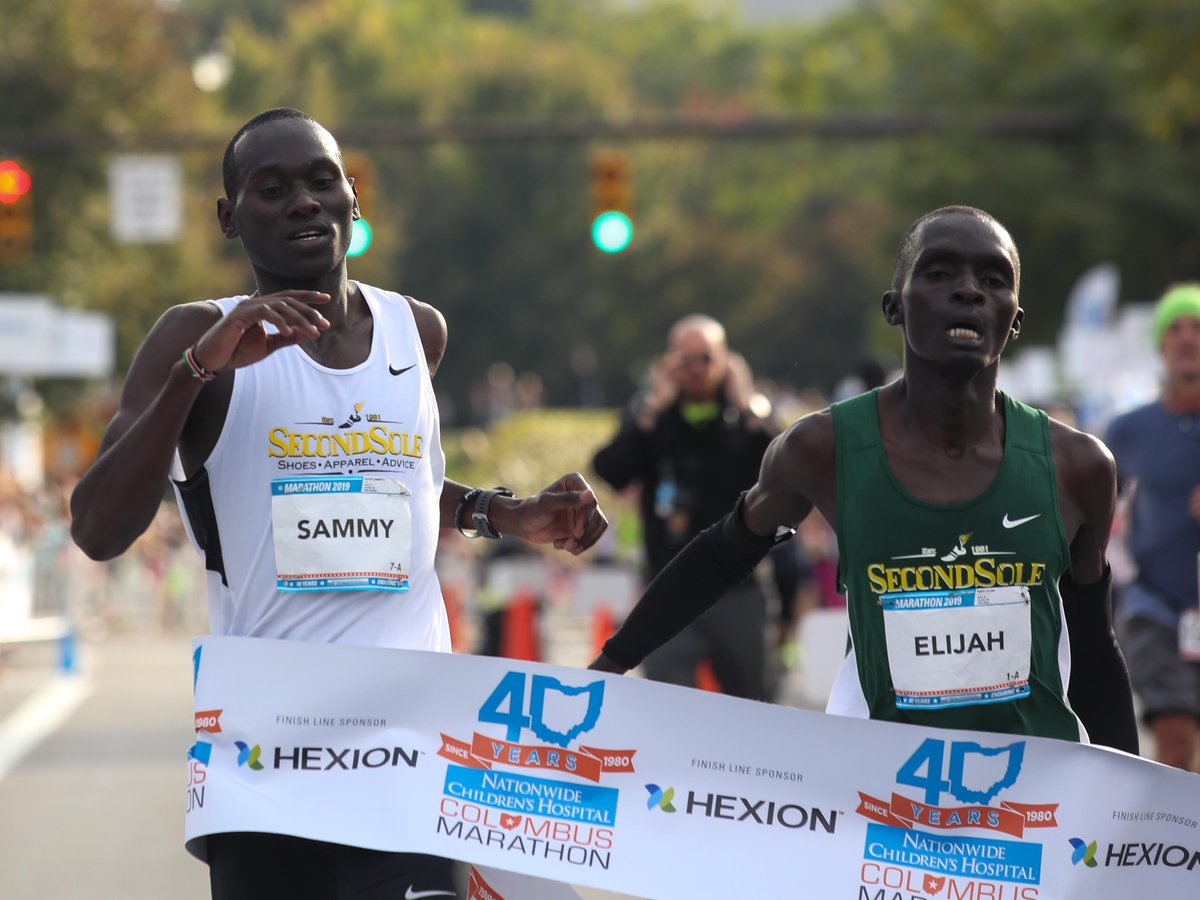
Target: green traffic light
[(360, 237), (612, 231)]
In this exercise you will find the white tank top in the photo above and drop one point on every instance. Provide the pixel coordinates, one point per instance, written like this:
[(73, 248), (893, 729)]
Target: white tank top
[(326, 486)]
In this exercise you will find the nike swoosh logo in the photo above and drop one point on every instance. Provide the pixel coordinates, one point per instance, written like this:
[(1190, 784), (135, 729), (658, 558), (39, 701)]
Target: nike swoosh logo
[(396, 371), (410, 894), (1013, 523)]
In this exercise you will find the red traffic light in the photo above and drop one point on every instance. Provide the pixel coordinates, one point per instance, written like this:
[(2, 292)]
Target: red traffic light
[(14, 181)]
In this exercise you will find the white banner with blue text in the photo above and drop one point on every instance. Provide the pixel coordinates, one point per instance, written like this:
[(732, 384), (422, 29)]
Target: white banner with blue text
[(573, 777)]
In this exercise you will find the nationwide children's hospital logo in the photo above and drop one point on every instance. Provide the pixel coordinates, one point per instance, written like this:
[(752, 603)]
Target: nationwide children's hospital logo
[(951, 829), (492, 795)]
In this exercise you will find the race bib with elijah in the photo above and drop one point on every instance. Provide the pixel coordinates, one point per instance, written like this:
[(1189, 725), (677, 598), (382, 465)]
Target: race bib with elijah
[(341, 533), (958, 648)]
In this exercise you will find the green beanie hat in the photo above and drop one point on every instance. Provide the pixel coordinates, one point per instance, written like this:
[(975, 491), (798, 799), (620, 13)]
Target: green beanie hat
[(1179, 300)]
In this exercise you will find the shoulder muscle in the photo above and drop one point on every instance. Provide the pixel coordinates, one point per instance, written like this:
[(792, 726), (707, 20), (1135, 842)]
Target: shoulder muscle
[(431, 325), (176, 330), (1087, 489), (797, 474)]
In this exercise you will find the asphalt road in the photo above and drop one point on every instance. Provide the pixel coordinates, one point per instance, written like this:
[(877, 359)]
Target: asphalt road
[(94, 810)]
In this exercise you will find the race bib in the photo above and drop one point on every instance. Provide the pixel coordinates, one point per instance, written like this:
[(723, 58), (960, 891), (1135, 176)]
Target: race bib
[(341, 533), (958, 648)]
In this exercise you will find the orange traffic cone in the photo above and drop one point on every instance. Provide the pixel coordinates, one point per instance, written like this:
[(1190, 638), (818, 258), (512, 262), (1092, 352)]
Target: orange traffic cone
[(603, 626), (519, 639), (705, 679)]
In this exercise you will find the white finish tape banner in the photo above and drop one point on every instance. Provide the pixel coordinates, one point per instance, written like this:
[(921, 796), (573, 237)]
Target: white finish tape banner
[(663, 792)]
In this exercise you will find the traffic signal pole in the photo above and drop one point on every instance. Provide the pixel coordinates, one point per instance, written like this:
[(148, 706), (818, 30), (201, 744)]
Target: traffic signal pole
[(16, 212), (612, 201), (1065, 125)]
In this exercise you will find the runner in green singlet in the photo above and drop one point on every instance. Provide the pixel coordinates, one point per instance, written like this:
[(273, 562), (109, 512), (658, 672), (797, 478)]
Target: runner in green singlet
[(972, 529)]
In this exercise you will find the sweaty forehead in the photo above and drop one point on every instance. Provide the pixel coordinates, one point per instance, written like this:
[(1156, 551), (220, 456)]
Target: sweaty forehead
[(966, 235), (284, 142)]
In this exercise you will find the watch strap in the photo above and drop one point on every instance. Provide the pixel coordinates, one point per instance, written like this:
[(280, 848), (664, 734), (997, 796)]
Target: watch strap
[(479, 524)]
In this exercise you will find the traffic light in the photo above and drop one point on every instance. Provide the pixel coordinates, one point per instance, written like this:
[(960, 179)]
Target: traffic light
[(16, 212), (362, 170), (612, 208)]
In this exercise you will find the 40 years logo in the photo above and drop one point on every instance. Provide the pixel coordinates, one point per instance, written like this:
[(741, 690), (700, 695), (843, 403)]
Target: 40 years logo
[(555, 714), (553, 806), (925, 845), (971, 774)]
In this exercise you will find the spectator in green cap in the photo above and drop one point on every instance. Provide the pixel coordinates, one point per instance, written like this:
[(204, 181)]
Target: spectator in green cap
[(1180, 300), (1157, 449)]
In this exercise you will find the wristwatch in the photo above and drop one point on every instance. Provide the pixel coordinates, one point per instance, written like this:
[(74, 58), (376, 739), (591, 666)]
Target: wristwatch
[(475, 523)]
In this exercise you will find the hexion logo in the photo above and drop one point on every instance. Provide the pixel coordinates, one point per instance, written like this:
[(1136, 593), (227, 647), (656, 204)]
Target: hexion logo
[(973, 775), (744, 809), (1083, 852), (324, 759), (1135, 853), (248, 756), (660, 798)]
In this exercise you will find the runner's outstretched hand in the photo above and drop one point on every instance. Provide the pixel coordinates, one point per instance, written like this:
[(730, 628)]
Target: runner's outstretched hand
[(241, 338)]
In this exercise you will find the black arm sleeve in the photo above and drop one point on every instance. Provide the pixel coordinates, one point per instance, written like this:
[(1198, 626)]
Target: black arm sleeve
[(715, 560), (1099, 690)]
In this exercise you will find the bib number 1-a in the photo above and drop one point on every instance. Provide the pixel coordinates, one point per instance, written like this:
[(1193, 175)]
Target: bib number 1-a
[(341, 533)]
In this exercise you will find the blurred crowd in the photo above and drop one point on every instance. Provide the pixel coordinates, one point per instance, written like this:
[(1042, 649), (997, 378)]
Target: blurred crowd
[(156, 587)]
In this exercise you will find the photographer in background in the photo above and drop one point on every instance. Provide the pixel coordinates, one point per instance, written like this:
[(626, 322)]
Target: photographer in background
[(693, 444)]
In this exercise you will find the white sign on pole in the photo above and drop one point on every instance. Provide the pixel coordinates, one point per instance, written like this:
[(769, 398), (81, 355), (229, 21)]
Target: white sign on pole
[(146, 196), (39, 338)]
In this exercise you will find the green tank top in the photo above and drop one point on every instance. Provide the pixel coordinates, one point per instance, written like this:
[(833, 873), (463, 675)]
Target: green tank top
[(955, 616)]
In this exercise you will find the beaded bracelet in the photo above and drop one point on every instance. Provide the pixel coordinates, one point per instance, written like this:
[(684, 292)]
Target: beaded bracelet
[(198, 371)]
